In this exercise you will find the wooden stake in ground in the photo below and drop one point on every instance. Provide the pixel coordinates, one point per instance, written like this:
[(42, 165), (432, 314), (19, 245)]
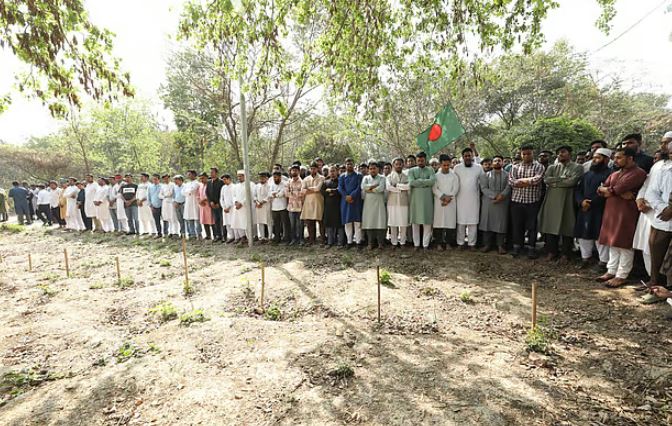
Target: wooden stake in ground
[(67, 264), (534, 306), (118, 271), (186, 267), (378, 277), (30, 263), (263, 285)]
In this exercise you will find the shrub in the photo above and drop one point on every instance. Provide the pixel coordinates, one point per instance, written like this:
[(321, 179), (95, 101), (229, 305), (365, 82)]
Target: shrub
[(273, 313), (465, 296), (197, 315)]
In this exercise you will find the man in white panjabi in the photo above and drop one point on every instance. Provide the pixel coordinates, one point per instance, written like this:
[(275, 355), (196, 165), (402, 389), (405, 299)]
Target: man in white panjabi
[(397, 203), (145, 217), (262, 198), (89, 193), (226, 201), (446, 188), (192, 212), (168, 216), (73, 214), (239, 217), (118, 199), (101, 201), (468, 198)]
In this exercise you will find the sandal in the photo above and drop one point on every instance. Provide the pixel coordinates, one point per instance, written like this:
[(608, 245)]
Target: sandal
[(615, 283)]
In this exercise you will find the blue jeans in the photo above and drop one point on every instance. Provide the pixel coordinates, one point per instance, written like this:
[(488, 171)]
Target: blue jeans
[(132, 216), (193, 228), (296, 227)]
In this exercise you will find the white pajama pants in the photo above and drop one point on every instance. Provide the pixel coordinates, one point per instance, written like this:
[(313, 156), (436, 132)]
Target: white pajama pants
[(586, 247), (620, 262), (398, 235), (468, 231), (230, 235), (357, 233), (239, 233), (426, 235)]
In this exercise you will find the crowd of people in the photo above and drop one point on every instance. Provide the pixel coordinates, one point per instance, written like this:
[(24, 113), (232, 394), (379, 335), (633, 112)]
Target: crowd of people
[(602, 203)]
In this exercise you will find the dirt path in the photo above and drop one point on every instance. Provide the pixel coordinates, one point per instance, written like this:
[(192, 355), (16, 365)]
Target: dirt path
[(450, 350)]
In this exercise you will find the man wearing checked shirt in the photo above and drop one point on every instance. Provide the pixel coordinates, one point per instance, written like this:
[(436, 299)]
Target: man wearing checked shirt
[(525, 180)]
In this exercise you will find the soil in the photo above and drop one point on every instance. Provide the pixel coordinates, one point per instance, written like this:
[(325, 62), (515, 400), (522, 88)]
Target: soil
[(450, 347)]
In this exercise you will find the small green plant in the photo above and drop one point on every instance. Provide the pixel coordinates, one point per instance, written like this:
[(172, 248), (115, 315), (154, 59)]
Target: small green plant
[(273, 313), (96, 285), (52, 277), (197, 315), (187, 289), (164, 263), (46, 290), (13, 228), (347, 261), (465, 296), (125, 282), (127, 351), (153, 348), (256, 257), (536, 340), (342, 371), (386, 279), (164, 311)]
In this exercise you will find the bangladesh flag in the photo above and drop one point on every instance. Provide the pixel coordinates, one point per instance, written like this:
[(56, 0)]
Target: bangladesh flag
[(445, 130)]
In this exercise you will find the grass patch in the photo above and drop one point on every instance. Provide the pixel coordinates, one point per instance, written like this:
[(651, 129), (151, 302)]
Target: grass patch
[(386, 279), (52, 277), (539, 338), (428, 291), (164, 263), (347, 261), (46, 290), (273, 313), (14, 383), (153, 348), (12, 228), (465, 297), (127, 351), (96, 285), (342, 371), (256, 257), (187, 289), (197, 315), (125, 282), (164, 311)]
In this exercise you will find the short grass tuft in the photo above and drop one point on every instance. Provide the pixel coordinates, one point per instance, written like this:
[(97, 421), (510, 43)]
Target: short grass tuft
[(46, 290), (273, 313), (164, 263), (386, 279), (125, 282), (13, 228), (465, 297), (342, 371), (197, 315), (164, 311), (127, 351)]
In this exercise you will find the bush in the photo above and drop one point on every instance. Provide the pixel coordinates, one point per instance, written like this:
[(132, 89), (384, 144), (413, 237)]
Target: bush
[(550, 133), (273, 313)]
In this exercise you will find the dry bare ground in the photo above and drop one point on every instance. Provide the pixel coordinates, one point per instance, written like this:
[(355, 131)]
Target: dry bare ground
[(451, 347)]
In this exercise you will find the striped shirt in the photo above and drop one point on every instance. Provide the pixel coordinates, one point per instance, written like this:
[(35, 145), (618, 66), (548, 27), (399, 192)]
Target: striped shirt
[(529, 194)]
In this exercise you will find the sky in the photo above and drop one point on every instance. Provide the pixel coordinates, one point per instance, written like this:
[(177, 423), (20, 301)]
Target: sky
[(145, 39)]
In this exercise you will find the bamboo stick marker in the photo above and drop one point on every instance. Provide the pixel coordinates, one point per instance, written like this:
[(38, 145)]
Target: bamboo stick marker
[(118, 271), (534, 305), (378, 277), (30, 263), (184, 255), (67, 263), (263, 285)]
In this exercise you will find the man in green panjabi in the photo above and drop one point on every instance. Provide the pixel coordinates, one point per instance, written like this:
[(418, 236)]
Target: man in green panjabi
[(421, 180), (557, 215)]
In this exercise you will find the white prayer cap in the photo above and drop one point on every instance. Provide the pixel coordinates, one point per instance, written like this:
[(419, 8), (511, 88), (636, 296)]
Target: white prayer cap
[(604, 151), (240, 172), (667, 135)]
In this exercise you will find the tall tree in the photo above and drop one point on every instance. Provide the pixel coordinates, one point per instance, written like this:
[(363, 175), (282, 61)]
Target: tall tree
[(67, 55)]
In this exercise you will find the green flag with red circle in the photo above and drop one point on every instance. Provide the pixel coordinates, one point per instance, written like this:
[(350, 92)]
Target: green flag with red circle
[(444, 131)]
